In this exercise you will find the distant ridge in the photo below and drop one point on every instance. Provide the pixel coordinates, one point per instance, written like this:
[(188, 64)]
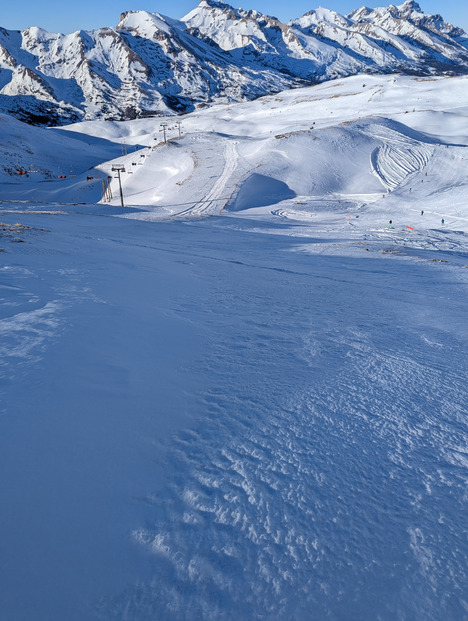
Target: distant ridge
[(151, 64)]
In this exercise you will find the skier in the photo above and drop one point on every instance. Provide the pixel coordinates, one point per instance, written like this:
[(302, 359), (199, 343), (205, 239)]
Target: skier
[(442, 221), (422, 212)]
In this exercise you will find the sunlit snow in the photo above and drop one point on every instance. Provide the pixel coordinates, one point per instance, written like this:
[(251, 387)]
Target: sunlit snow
[(260, 414)]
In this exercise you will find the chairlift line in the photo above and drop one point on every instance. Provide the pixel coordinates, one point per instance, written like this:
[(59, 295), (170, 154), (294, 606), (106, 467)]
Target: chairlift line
[(119, 168), (106, 194), (164, 127)]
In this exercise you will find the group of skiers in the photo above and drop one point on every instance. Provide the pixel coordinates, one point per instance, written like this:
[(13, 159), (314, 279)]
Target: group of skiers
[(390, 222)]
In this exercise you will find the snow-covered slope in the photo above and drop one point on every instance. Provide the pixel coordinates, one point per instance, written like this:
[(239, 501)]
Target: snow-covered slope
[(257, 416), (151, 64), (345, 145)]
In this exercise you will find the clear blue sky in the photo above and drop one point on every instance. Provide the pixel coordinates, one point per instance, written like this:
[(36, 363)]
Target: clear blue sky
[(57, 16)]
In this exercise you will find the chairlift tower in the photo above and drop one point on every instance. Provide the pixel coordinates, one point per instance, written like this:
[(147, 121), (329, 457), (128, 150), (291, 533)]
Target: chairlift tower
[(164, 127), (118, 168), (179, 123)]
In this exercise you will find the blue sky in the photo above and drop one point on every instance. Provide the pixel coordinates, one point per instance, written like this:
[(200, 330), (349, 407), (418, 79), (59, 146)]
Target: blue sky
[(57, 16)]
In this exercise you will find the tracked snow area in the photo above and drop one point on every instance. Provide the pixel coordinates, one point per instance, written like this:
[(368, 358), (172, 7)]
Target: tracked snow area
[(260, 414)]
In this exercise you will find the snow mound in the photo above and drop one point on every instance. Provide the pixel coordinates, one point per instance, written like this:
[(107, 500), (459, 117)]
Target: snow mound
[(259, 191)]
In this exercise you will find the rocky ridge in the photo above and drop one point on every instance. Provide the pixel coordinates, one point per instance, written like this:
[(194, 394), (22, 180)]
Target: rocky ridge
[(151, 64)]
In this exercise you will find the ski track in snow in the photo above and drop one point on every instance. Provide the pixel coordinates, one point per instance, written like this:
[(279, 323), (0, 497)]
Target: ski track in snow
[(394, 164), (217, 197), (399, 156)]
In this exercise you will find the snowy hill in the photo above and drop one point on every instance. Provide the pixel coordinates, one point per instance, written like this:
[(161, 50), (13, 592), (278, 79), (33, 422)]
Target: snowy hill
[(242, 395), (150, 64), (258, 415), (381, 148)]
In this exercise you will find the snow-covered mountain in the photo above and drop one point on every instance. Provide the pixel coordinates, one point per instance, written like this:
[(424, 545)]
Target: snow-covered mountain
[(151, 64)]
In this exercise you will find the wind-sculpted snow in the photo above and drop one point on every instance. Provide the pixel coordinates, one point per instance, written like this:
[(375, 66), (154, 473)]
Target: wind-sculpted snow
[(23, 334), (323, 477), (317, 464), (245, 396)]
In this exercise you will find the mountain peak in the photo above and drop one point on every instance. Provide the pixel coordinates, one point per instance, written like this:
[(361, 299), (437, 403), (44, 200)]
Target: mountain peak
[(216, 4), (409, 7), (143, 22), (151, 64), (213, 4), (410, 4), (320, 15)]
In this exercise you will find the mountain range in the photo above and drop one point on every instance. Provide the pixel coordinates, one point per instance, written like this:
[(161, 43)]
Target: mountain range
[(150, 64)]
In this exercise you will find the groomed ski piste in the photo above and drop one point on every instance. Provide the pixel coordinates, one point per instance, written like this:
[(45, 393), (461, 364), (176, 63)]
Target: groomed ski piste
[(243, 394)]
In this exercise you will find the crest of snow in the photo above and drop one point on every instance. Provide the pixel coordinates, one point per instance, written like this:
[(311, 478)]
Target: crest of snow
[(228, 27), (172, 65), (320, 16), (39, 34), (145, 23)]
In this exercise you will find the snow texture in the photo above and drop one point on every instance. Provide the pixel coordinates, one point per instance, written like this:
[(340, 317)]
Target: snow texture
[(255, 415)]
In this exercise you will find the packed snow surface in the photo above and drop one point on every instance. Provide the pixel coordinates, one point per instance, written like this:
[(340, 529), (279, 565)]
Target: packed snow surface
[(257, 415)]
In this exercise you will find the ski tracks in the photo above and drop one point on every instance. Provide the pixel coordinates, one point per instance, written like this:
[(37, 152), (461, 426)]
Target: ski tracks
[(399, 157), (219, 194)]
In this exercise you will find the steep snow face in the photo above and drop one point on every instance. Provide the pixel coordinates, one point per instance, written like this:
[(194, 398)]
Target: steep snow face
[(151, 64), (228, 27), (399, 38), (41, 154), (408, 20)]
